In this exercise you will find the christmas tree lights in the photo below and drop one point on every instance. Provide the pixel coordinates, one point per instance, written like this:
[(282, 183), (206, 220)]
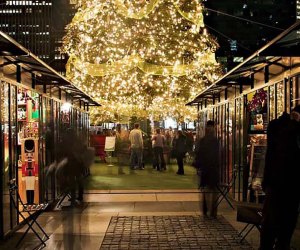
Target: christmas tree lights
[(140, 58)]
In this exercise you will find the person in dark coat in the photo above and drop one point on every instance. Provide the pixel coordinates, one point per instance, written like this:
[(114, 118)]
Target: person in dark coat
[(179, 146), (71, 176), (281, 181), (207, 164)]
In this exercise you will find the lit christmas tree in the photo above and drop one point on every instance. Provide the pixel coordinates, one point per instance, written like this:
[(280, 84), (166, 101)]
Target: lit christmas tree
[(143, 58)]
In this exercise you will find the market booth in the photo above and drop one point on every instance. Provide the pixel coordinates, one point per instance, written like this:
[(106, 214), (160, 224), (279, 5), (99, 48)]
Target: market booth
[(243, 102), (36, 105)]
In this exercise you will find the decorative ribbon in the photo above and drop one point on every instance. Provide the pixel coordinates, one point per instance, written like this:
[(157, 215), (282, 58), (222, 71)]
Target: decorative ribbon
[(133, 61)]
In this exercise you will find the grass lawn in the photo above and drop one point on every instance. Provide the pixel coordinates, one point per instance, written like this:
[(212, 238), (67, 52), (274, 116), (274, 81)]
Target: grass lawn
[(104, 177)]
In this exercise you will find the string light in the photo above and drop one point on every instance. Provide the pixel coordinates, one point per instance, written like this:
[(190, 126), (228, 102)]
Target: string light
[(143, 58)]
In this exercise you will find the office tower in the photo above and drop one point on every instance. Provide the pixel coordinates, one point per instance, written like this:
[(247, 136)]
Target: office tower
[(39, 25), (60, 19), (238, 37), (29, 22), (298, 9)]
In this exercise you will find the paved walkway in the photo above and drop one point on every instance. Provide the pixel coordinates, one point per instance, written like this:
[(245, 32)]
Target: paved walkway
[(171, 232), (89, 226)]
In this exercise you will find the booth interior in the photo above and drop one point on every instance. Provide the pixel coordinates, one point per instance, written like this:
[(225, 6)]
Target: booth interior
[(33, 99), (242, 103)]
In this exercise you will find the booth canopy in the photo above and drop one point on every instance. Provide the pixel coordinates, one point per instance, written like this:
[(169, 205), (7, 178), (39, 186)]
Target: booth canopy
[(14, 53), (281, 53)]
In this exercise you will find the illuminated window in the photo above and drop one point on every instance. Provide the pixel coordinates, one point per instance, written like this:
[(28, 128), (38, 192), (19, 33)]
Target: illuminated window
[(233, 45), (238, 59)]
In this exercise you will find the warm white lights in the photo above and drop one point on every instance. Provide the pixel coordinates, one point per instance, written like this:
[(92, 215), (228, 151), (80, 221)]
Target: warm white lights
[(141, 58), (66, 107)]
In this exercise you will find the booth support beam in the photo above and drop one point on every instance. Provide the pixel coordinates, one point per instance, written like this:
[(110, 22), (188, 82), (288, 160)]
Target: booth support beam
[(18, 73), (252, 81), (33, 80), (1, 68), (59, 93), (266, 73)]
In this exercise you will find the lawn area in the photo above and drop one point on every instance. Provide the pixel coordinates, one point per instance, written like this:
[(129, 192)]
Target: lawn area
[(104, 177)]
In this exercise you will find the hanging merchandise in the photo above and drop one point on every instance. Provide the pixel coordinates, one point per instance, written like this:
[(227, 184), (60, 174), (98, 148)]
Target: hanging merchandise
[(35, 106), (257, 106)]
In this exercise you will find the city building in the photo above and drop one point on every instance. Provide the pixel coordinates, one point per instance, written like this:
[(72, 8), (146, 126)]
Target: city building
[(241, 27), (39, 25), (60, 19)]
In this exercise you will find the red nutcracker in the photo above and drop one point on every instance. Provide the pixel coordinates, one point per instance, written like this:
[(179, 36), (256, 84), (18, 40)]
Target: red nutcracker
[(30, 166)]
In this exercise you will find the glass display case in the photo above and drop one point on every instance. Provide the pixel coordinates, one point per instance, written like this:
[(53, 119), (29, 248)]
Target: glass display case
[(28, 150)]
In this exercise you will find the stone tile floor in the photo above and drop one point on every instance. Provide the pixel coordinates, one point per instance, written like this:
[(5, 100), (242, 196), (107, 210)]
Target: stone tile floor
[(171, 232), (86, 227)]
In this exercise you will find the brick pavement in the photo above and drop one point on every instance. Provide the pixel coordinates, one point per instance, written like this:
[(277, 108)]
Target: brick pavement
[(171, 232)]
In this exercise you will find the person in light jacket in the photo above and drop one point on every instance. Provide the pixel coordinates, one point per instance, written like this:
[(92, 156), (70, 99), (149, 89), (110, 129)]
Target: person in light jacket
[(136, 146)]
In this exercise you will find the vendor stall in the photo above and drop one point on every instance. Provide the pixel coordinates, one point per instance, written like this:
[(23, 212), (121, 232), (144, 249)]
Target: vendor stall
[(31, 117), (243, 102)]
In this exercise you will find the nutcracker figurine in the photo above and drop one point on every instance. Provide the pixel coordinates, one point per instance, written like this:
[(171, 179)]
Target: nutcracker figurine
[(29, 148)]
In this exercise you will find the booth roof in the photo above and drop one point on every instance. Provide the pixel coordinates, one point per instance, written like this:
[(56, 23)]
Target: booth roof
[(14, 53), (274, 56)]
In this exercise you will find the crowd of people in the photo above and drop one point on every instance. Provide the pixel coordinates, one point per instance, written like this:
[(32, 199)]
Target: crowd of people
[(168, 142)]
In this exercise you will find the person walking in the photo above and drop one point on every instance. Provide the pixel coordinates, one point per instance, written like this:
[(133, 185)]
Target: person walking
[(179, 146), (158, 150), (136, 146), (70, 177), (207, 164), (281, 182)]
